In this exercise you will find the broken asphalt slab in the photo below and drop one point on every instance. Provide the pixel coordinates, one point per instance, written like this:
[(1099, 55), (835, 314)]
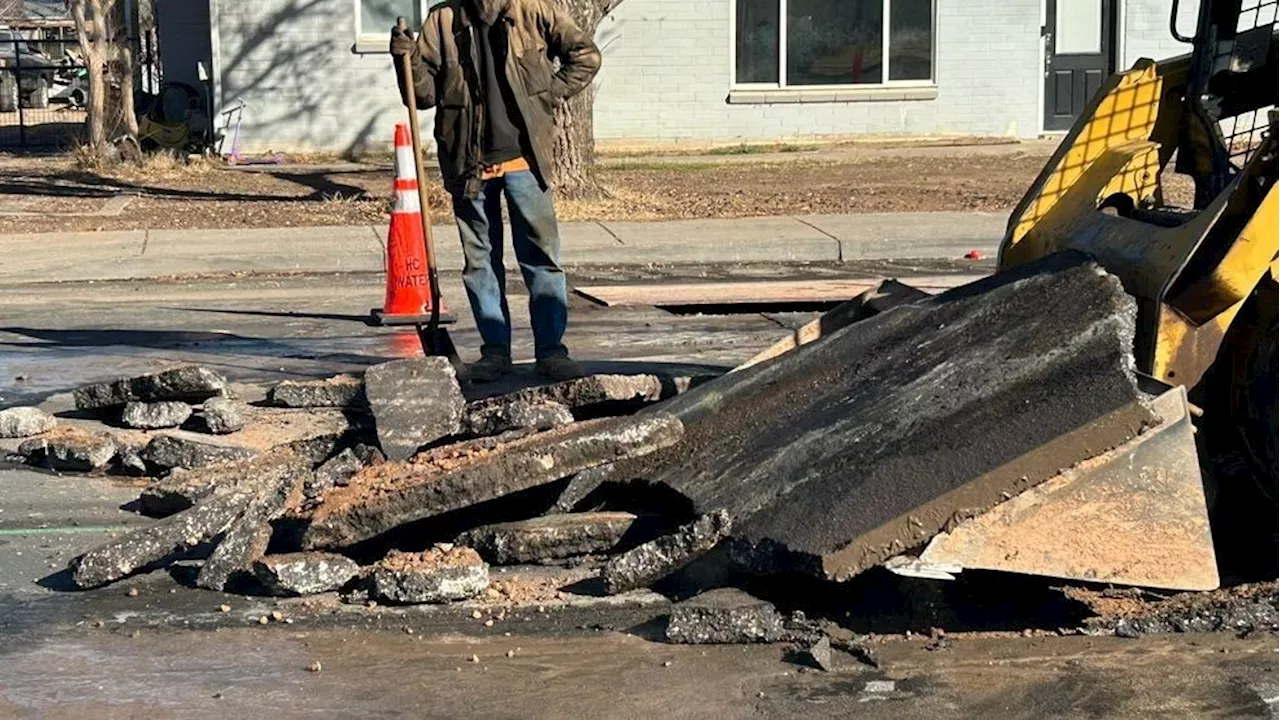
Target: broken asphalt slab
[(386, 496), (415, 402), (646, 564), (339, 391), (435, 576), (122, 556), (842, 453), (584, 396), (305, 573), (279, 485), (67, 448), (155, 415), (21, 422), (190, 383), (548, 538), (724, 615), (222, 416), (483, 419)]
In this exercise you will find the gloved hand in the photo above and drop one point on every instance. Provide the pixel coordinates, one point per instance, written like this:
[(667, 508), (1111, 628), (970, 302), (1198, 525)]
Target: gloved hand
[(402, 42)]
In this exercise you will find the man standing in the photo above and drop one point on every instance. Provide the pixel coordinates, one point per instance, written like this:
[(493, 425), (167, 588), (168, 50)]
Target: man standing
[(487, 68)]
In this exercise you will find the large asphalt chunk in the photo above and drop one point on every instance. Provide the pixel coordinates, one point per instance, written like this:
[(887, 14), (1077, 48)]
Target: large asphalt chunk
[(125, 555), (339, 391), (646, 564), (169, 451), (584, 394), (69, 448), (183, 488), (487, 418), (278, 486), (435, 576), (453, 477), (724, 615), (415, 402), (191, 383), (153, 415), (305, 573), (19, 422), (548, 538), (842, 453)]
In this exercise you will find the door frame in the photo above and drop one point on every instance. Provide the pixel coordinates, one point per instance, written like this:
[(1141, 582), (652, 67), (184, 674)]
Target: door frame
[(1121, 8)]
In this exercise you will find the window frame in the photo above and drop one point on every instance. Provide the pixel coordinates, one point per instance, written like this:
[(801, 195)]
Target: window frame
[(376, 41), (782, 85)]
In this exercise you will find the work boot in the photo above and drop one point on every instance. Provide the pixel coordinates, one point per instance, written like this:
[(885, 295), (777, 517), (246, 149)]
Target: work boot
[(558, 368), (488, 368)]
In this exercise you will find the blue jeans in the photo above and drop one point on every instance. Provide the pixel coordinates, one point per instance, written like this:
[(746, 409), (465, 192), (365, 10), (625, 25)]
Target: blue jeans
[(536, 241)]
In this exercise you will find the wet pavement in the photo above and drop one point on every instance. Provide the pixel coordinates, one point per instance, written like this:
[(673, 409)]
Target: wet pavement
[(171, 651)]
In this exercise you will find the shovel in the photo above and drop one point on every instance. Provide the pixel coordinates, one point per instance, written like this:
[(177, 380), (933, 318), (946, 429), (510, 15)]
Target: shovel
[(435, 339)]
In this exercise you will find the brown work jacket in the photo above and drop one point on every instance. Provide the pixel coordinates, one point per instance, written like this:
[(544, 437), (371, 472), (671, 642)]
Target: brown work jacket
[(446, 76)]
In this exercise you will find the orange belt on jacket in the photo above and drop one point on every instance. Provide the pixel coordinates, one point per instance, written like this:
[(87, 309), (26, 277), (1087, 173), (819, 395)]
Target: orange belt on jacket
[(489, 172)]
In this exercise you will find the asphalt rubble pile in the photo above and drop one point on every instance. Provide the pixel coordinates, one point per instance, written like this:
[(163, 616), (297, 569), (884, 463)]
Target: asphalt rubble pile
[(391, 488)]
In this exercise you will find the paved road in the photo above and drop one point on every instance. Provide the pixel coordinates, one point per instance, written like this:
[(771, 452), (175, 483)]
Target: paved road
[(171, 652)]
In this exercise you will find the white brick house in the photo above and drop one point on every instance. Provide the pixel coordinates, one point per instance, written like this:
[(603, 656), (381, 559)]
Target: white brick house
[(316, 76)]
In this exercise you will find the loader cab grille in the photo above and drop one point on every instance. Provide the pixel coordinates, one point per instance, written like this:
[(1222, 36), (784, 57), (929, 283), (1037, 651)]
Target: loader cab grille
[(1231, 92), (1246, 56)]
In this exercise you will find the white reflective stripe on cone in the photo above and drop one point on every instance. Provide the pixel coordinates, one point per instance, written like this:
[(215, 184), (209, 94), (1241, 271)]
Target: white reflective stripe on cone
[(404, 162), (406, 202)]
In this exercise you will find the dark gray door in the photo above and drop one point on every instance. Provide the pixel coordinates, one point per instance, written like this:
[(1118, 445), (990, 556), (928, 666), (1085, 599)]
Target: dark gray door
[(1079, 42)]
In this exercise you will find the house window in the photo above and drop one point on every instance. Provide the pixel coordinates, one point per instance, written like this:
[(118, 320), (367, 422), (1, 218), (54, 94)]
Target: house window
[(826, 43), (375, 18)]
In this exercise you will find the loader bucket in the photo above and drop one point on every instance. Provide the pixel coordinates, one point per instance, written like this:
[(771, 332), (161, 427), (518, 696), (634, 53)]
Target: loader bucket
[(1133, 516)]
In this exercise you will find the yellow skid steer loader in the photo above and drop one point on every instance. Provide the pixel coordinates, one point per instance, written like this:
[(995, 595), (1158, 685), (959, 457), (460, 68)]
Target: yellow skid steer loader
[(1204, 276)]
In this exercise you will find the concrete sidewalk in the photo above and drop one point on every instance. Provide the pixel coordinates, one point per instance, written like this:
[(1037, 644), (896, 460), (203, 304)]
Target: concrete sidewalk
[(136, 254)]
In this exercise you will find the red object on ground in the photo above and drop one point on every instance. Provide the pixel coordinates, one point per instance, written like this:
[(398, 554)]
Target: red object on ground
[(973, 255), (408, 298)]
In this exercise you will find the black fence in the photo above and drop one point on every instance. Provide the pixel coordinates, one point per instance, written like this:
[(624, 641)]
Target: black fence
[(43, 90)]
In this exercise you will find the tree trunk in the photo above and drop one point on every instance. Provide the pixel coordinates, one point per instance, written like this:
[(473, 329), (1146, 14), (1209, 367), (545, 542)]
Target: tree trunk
[(86, 31), (573, 163), (573, 166), (108, 62)]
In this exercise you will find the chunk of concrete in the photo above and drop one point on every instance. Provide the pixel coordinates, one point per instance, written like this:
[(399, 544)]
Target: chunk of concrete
[(415, 402), (581, 394), (487, 418), (21, 422), (178, 451), (548, 538), (222, 416), (646, 564), (869, 441), (247, 538), (339, 391), (69, 449), (450, 478), (155, 415), (139, 549), (725, 616), (190, 383), (305, 573), (436, 576)]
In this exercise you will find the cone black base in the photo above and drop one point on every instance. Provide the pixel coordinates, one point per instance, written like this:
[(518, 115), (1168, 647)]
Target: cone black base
[(377, 317)]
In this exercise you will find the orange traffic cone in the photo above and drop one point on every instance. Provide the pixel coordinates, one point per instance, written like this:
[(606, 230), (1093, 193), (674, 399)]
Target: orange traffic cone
[(408, 299)]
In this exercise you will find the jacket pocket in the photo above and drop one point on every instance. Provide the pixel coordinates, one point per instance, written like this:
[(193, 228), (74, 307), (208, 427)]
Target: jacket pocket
[(536, 70)]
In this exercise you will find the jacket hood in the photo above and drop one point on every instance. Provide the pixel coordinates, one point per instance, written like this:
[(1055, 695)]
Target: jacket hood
[(486, 11)]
